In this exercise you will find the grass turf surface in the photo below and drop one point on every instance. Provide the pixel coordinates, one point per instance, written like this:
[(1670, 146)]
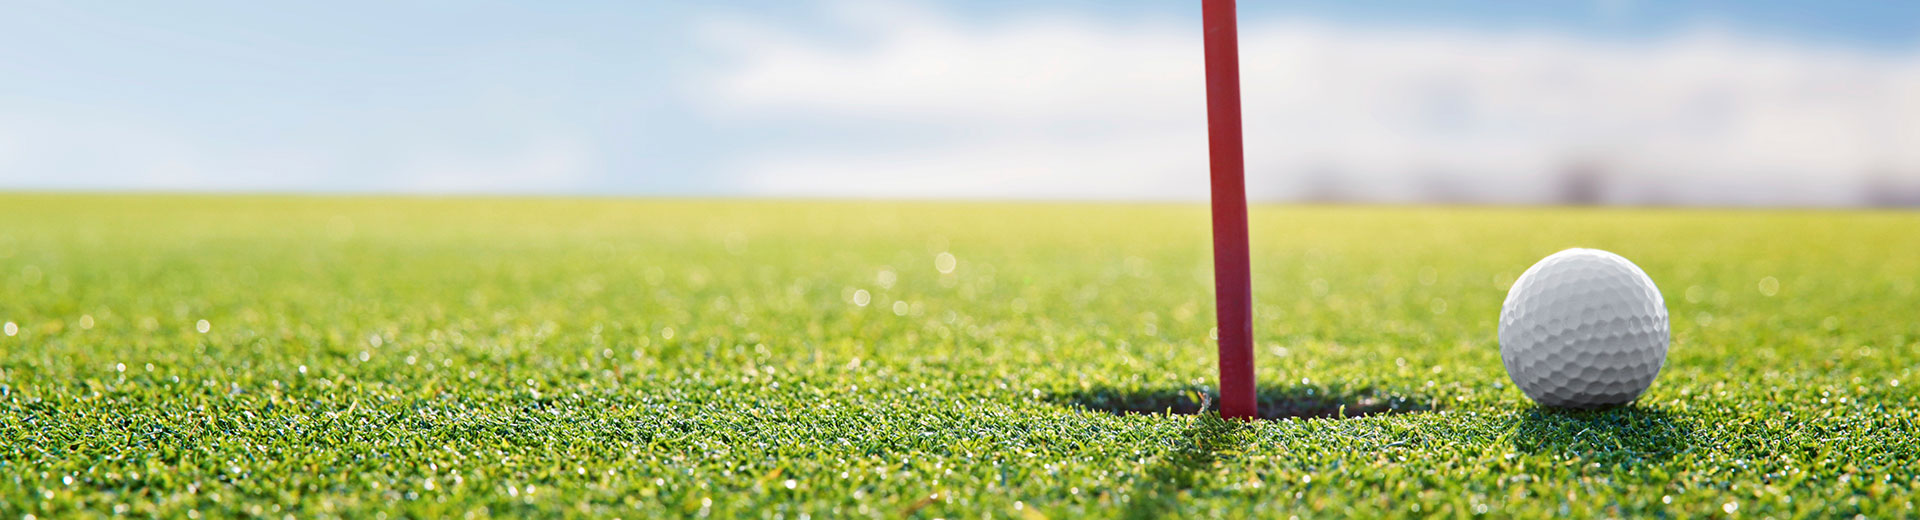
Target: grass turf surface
[(440, 357)]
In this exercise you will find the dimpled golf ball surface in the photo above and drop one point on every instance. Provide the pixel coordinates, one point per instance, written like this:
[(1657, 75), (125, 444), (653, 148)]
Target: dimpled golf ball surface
[(1584, 328)]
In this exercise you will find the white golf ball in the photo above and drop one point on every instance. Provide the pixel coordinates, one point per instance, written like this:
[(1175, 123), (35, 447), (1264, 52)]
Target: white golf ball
[(1584, 328)]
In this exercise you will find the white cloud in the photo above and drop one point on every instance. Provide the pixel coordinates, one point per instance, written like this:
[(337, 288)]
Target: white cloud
[(1059, 106), (545, 165), (87, 154), (117, 153)]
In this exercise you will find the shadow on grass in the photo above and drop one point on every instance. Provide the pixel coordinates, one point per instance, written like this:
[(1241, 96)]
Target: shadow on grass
[(1193, 456), (1206, 440), (1625, 436), (1310, 402)]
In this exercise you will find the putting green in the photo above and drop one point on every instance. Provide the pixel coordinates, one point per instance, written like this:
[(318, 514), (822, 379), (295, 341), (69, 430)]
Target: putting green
[(314, 356)]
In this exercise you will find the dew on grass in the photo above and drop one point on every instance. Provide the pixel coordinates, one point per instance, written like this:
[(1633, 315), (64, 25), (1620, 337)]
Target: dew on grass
[(203, 326), (945, 263), (1138, 267), (1696, 294), (1503, 280), (10, 328), (861, 298), (736, 243)]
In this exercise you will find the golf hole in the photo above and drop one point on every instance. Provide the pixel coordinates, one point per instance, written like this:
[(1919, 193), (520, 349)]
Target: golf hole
[(1300, 402)]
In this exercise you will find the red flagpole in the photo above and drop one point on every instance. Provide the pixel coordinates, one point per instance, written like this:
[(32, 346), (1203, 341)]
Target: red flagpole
[(1231, 271)]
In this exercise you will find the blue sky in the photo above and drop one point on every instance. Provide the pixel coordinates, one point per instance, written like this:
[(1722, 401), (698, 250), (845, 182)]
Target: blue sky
[(659, 97)]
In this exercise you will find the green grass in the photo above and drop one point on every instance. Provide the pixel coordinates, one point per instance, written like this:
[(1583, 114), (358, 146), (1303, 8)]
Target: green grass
[(445, 357)]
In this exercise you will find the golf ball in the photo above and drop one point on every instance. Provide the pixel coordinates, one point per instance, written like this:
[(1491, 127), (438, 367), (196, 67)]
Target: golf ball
[(1583, 328)]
